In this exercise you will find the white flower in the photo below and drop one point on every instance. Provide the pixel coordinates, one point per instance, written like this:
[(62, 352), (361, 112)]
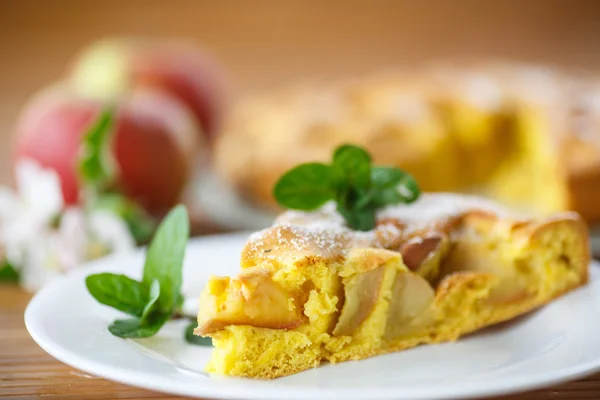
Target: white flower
[(25, 215), (39, 190), (54, 250), (112, 231), (71, 241), (40, 247), (40, 263)]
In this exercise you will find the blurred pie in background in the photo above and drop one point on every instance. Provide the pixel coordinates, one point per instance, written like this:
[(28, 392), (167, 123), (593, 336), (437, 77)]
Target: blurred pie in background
[(528, 136)]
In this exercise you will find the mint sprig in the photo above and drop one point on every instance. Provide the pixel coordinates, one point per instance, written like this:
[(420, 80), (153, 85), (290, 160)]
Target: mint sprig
[(119, 291), (97, 166), (157, 297), (305, 187), (8, 273), (98, 172), (358, 187), (193, 339), (164, 258)]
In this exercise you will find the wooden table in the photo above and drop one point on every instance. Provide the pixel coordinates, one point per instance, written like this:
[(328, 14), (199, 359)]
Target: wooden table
[(263, 44), (27, 372)]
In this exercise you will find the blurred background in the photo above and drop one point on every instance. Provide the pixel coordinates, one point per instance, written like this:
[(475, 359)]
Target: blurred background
[(267, 43), (244, 49), (256, 48)]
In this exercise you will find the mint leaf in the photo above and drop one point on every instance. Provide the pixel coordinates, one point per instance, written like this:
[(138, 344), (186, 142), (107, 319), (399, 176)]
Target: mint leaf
[(97, 172), (135, 328), (97, 168), (353, 198), (392, 186), (386, 177), (8, 273), (306, 187), (129, 328), (408, 188), (350, 150), (179, 304), (351, 167), (365, 199), (150, 306), (140, 223), (385, 197), (164, 258), (118, 291), (362, 220), (358, 188), (158, 297), (193, 339)]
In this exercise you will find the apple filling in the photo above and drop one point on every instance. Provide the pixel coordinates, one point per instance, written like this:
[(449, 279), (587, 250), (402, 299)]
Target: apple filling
[(253, 298), (423, 254), (396, 290), (410, 306), (277, 318)]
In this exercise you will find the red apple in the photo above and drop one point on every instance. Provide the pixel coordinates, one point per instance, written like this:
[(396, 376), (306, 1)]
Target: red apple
[(107, 69), (155, 142)]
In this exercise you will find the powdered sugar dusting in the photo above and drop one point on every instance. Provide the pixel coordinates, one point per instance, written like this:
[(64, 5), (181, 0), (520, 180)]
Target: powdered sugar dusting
[(432, 209), (483, 91), (326, 218), (323, 233), (287, 242)]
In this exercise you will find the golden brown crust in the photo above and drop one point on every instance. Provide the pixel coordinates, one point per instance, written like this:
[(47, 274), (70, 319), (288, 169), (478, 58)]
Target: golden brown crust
[(501, 313), (452, 127), (583, 193), (498, 266)]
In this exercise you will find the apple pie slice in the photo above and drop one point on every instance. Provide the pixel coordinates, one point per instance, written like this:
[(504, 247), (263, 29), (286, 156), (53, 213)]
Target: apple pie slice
[(312, 290)]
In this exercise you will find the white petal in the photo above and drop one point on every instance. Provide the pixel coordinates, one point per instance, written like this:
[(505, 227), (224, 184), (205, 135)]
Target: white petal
[(40, 264), (18, 234), (10, 204), (111, 231), (73, 236), (39, 188)]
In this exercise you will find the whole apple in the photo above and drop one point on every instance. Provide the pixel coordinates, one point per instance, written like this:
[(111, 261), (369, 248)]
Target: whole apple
[(109, 68), (155, 142)]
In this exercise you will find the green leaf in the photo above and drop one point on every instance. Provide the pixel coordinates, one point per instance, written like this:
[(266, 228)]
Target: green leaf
[(154, 300), (118, 291), (305, 187), (352, 198), (392, 186), (386, 177), (361, 220), (140, 223), (97, 168), (150, 306), (358, 188), (56, 220), (385, 197), (409, 188), (351, 167), (8, 273), (135, 328), (164, 258), (345, 150), (179, 304), (363, 199), (193, 339)]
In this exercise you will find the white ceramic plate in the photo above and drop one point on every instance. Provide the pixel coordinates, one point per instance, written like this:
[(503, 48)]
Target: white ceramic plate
[(554, 344), (227, 208)]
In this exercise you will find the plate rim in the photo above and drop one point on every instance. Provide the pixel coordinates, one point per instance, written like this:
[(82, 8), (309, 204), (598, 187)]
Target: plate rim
[(216, 389)]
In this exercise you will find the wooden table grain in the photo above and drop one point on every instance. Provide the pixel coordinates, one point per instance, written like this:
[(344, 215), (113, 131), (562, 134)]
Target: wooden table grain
[(27, 372), (263, 44)]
